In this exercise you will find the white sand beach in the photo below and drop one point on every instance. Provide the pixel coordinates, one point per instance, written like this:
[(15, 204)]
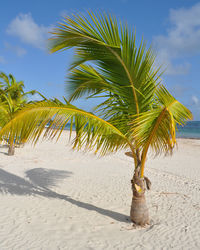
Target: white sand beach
[(55, 198)]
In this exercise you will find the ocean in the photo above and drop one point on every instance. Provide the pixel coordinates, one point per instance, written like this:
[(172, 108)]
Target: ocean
[(190, 130)]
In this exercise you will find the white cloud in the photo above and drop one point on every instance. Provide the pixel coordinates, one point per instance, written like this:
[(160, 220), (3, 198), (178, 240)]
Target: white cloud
[(16, 49), (182, 39), (2, 60), (195, 100), (25, 28)]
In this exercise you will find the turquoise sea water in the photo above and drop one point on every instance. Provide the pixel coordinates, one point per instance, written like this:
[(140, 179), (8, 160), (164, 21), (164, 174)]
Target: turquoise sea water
[(190, 130)]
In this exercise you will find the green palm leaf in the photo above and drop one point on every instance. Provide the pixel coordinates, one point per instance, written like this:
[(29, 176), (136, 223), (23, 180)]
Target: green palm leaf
[(92, 132), (117, 65), (137, 111), (156, 127)]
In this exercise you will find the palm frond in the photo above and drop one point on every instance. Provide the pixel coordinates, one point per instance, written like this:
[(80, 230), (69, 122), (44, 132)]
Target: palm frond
[(79, 30), (92, 132), (4, 114), (117, 65), (156, 127), (85, 80)]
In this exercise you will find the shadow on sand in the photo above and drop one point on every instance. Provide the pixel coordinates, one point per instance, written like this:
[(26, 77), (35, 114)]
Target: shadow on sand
[(38, 181)]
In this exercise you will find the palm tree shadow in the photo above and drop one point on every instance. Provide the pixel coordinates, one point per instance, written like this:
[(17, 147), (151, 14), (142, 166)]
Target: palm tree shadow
[(38, 181), (4, 153)]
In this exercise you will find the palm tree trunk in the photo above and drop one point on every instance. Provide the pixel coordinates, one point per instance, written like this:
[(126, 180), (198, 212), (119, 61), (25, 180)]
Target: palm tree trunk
[(11, 149), (139, 212)]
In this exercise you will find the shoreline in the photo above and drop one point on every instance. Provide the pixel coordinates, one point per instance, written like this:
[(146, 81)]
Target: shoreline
[(189, 138)]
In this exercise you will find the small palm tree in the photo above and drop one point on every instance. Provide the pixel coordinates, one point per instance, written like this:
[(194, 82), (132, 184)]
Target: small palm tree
[(12, 99), (137, 112)]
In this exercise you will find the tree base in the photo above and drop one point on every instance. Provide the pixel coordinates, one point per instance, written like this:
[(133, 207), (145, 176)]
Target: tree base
[(11, 150), (139, 212)]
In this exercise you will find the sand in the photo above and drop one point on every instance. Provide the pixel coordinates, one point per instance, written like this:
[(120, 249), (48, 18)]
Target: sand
[(54, 198)]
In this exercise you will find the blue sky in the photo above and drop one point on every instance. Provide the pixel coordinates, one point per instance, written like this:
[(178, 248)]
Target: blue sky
[(173, 27)]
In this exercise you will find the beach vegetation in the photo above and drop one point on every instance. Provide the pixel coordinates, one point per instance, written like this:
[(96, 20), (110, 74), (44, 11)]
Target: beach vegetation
[(12, 99), (137, 112)]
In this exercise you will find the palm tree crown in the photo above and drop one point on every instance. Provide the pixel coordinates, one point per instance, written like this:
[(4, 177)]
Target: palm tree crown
[(137, 112), (108, 61), (12, 99)]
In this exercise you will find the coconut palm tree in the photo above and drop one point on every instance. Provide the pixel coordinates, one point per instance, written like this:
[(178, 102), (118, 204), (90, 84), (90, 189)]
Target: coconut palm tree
[(137, 111), (12, 99), (15, 88), (8, 107)]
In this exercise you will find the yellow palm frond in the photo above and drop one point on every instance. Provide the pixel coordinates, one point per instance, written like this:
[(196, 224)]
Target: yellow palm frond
[(92, 132), (156, 127)]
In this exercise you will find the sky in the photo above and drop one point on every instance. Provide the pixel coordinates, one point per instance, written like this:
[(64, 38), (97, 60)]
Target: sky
[(172, 27)]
